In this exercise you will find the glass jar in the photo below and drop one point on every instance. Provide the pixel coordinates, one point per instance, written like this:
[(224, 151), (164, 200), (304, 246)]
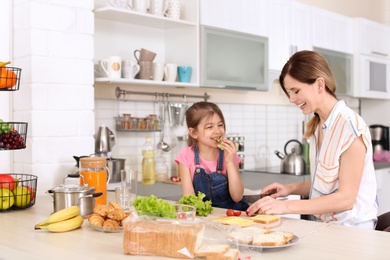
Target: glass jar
[(95, 173)]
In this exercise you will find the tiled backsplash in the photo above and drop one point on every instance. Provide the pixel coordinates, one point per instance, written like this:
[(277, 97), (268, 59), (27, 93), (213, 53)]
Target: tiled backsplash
[(265, 127)]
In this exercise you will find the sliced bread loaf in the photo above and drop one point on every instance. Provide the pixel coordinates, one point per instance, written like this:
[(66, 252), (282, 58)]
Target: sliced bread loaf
[(269, 240), (212, 251), (231, 254)]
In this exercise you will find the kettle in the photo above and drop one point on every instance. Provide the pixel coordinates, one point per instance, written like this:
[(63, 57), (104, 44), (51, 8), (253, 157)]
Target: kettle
[(292, 163), (105, 140)]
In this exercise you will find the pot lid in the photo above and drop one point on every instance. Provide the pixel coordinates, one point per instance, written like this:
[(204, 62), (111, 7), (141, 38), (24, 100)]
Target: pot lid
[(73, 189)]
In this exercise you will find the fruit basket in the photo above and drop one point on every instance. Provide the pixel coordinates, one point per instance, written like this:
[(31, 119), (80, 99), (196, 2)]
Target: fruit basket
[(9, 78), (17, 191), (13, 135)]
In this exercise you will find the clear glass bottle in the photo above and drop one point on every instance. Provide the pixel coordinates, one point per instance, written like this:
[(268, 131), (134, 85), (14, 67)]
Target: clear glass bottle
[(148, 163), (161, 168)]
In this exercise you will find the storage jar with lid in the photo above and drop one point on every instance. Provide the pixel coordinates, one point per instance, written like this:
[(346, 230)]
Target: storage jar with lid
[(96, 174)]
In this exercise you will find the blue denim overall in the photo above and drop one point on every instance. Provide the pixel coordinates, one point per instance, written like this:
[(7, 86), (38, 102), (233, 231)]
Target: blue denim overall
[(215, 185)]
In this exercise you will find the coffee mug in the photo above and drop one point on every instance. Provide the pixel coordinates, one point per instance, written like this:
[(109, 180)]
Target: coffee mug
[(173, 9), (144, 55), (119, 3), (170, 72), (140, 5), (145, 71), (184, 73), (129, 69), (112, 66), (158, 71), (157, 7)]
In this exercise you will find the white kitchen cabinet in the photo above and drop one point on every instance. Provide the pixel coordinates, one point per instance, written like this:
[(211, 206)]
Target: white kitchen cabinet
[(236, 15), (119, 32), (372, 59), (332, 31), (383, 190), (289, 30)]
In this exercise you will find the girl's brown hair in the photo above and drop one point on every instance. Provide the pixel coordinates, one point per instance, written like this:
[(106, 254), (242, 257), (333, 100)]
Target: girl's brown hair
[(197, 112), (306, 67)]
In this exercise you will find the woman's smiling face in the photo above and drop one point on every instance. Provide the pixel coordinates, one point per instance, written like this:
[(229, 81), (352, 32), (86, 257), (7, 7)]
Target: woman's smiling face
[(302, 94)]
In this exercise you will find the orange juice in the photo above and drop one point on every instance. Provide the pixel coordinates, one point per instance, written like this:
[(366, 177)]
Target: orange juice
[(93, 169)]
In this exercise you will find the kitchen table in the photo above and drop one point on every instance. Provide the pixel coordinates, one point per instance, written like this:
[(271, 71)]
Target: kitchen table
[(19, 240)]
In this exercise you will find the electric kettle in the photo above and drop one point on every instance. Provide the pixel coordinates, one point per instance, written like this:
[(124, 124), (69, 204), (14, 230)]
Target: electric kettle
[(292, 163)]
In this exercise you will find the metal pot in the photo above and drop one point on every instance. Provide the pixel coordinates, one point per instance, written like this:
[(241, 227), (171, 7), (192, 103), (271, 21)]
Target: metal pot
[(292, 163), (65, 196), (115, 165)]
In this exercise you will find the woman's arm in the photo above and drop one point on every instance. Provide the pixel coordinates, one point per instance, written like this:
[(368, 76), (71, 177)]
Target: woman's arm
[(351, 171), (186, 181)]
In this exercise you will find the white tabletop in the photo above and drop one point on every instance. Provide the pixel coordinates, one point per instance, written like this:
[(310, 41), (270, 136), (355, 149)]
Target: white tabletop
[(19, 240)]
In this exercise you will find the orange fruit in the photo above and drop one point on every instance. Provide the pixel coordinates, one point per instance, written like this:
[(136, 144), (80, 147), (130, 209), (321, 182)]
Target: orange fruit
[(7, 78)]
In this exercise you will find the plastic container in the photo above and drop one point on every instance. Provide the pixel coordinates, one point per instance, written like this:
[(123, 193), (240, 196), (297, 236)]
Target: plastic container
[(161, 168), (148, 163)]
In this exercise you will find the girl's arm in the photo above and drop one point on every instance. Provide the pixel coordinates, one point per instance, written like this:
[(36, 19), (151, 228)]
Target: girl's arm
[(186, 181)]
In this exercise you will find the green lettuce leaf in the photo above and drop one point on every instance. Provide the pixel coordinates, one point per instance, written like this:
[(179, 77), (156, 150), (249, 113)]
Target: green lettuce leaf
[(203, 208)]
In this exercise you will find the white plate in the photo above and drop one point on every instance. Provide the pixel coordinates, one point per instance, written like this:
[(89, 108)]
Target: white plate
[(293, 241), (106, 229)]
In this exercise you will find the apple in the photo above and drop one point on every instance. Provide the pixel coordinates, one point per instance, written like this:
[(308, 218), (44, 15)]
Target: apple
[(32, 192), (22, 196), (7, 181), (6, 199)]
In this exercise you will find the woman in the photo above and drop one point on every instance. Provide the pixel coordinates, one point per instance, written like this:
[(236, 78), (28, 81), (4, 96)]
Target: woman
[(210, 163), (342, 187)]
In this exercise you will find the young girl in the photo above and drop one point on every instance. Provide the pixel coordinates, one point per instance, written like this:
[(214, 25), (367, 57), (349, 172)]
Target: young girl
[(203, 166)]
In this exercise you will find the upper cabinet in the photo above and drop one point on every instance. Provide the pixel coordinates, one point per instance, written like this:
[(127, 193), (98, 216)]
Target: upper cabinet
[(236, 15), (119, 32), (372, 59), (289, 30), (332, 31)]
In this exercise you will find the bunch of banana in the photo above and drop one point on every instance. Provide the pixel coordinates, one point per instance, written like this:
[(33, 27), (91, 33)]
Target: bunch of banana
[(3, 63), (63, 220)]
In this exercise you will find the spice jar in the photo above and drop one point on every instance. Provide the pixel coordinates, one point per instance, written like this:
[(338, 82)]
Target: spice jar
[(95, 173)]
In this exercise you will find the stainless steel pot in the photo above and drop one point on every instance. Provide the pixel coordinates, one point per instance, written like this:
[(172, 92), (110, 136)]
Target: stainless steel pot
[(115, 165), (65, 196), (292, 163)]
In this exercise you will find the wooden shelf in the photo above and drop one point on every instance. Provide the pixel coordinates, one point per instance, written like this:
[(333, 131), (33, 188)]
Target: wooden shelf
[(142, 82)]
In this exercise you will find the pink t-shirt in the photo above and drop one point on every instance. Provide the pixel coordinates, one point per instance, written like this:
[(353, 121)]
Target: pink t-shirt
[(187, 157)]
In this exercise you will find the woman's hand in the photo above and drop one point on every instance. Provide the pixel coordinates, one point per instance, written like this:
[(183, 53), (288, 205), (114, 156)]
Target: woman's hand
[(275, 190), (267, 205)]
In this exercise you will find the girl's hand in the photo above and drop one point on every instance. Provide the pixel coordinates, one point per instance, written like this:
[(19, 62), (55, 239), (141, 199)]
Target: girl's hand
[(230, 150)]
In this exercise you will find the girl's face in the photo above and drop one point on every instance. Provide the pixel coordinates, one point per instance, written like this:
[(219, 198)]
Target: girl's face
[(208, 130), (302, 94)]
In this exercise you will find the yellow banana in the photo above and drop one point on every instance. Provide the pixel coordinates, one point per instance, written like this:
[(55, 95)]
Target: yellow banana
[(2, 63), (60, 215), (64, 226)]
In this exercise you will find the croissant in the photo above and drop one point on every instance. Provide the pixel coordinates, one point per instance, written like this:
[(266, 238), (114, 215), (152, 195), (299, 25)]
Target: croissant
[(114, 205), (102, 210), (96, 220), (116, 214), (111, 223)]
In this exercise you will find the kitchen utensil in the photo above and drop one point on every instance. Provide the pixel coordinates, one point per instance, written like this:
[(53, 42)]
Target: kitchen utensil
[(163, 145), (115, 165), (105, 140), (292, 163), (176, 113), (65, 196)]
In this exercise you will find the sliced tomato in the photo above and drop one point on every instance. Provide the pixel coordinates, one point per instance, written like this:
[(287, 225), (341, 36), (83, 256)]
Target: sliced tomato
[(230, 213), (237, 213)]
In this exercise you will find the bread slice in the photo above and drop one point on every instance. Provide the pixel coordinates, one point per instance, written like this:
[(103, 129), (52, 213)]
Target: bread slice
[(231, 254), (245, 235), (265, 219), (269, 240), (287, 235), (212, 251)]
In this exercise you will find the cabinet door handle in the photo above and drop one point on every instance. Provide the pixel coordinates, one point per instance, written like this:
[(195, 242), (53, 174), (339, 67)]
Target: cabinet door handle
[(379, 53)]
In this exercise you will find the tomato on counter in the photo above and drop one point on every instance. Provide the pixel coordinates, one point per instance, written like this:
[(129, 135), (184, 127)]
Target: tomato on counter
[(231, 213)]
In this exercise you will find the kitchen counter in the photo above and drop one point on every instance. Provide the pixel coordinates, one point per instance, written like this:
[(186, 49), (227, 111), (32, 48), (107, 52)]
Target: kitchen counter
[(317, 240)]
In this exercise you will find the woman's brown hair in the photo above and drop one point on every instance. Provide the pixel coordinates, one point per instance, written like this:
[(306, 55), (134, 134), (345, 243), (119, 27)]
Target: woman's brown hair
[(306, 67), (197, 112)]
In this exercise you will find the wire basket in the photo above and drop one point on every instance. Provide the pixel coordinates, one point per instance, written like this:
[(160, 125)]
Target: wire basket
[(13, 135), (19, 193), (9, 78)]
